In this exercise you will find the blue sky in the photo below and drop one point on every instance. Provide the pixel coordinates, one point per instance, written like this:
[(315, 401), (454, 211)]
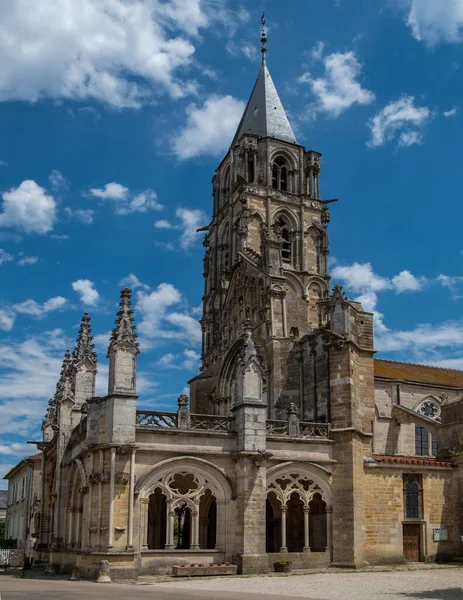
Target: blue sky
[(113, 117)]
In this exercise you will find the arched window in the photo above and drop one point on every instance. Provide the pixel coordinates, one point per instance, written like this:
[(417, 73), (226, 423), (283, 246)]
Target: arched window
[(413, 504), (286, 244), (226, 183), (280, 174), (250, 166)]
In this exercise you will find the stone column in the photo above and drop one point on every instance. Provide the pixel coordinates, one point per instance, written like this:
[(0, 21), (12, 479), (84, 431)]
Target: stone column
[(329, 529), (306, 529), (78, 534), (131, 492), (70, 515), (195, 529), (144, 523), (170, 527), (100, 496), (112, 477), (284, 510)]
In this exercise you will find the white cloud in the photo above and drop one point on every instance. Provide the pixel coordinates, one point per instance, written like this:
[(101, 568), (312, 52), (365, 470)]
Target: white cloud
[(111, 191), (153, 307), (124, 202), (187, 327), (317, 51), (191, 220), (248, 49), (451, 112), (453, 283), (210, 128), (188, 360), (82, 215), (423, 339), (163, 224), (7, 319), (338, 89), (142, 202), (158, 323), (15, 449), (27, 260), (34, 309), (116, 52), (399, 118), (436, 22), (406, 282), (28, 207), (5, 257), (132, 281), (360, 278), (20, 258), (57, 180), (86, 289)]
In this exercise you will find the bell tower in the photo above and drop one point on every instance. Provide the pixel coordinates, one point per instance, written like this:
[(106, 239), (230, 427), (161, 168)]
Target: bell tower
[(265, 262)]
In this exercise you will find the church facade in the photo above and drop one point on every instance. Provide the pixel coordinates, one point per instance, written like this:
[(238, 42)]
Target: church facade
[(295, 442)]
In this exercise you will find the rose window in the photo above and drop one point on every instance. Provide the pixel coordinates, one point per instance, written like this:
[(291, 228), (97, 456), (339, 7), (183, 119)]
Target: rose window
[(429, 409)]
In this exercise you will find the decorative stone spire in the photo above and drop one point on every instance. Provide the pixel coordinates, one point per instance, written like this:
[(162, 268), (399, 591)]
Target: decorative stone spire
[(124, 332), (64, 387), (85, 348), (123, 349), (84, 362)]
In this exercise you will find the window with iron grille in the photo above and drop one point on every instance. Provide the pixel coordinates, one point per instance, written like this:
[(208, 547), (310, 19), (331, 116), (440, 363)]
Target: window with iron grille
[(413, 496), (421, 441)]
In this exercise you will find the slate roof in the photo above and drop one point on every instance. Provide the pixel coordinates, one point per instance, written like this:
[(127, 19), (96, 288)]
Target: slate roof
[(392, 369), (264, 114)]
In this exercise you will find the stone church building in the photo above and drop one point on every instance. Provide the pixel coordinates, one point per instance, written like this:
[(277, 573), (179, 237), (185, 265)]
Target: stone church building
[(295, 442)]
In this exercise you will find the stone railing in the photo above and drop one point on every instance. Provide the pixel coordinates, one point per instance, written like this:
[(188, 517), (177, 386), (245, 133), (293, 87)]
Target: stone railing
[(184, 420), (211, 423), (154, 418), (293, 428)]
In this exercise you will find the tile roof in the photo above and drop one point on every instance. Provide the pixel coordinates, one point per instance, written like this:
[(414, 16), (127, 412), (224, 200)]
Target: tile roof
[(392, 369), (411, 460)]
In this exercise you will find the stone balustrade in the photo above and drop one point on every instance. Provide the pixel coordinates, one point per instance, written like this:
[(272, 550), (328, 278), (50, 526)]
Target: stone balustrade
[(293, 428), (184, 420)]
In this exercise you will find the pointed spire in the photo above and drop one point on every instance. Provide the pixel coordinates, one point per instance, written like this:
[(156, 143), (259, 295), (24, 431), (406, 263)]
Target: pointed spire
[(84, 347), (64, 385), (263, 40), (264, 114), (124, 331)]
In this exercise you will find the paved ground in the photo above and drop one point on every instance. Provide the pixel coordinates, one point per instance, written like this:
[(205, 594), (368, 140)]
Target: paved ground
[(423, 584), (43, 589)]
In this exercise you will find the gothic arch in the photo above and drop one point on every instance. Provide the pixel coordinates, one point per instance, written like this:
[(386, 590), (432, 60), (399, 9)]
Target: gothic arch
[(158, 476), (315, 478), (294, 284), (288, 156), (286, 214)]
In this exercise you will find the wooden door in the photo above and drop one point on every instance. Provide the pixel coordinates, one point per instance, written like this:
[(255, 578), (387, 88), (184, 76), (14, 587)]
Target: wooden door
[(411, 534)]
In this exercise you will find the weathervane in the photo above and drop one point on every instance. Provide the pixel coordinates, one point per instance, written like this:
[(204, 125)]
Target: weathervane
[(263, 39)]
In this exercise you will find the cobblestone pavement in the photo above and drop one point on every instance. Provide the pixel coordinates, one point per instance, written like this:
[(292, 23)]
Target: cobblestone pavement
[(422, 584)]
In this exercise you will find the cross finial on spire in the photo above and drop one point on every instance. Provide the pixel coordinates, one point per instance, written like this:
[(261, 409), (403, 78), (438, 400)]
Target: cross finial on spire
[(263, 40)]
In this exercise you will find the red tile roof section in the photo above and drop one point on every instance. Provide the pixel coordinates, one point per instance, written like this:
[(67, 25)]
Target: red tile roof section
[(419, 373), (411, 460)]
